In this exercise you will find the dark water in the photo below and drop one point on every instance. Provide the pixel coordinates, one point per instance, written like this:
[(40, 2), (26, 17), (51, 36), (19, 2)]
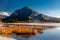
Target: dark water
[(47, 34)]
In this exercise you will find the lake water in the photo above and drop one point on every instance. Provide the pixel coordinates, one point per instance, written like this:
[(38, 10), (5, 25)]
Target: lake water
[(46, 34)]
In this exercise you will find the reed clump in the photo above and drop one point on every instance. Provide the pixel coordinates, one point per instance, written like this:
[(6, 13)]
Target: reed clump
[(22, 29)]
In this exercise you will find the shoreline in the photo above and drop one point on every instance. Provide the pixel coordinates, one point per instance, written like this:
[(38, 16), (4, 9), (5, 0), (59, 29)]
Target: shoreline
[(29, 24)]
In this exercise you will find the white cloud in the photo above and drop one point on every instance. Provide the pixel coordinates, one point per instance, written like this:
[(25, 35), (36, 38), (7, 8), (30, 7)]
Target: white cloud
[(53, 13), (4, 13)]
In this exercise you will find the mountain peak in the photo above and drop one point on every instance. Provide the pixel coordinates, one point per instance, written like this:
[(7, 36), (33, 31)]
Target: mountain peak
[(26, 8)]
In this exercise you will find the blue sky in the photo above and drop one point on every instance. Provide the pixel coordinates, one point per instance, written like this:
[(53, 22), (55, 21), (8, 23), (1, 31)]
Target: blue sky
[(47, 7)]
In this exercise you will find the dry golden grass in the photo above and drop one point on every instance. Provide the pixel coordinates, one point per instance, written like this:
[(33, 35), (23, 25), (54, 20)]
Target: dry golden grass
[(1, 30), (24, 29)]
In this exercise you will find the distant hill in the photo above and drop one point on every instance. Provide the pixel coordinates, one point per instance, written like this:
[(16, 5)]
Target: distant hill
[(26, 15)]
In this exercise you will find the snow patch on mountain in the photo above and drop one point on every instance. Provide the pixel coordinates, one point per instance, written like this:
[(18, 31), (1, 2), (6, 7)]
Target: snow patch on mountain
[(4, 13)]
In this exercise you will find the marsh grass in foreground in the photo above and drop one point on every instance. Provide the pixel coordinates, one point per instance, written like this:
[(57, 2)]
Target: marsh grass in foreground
[(22, 30)]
